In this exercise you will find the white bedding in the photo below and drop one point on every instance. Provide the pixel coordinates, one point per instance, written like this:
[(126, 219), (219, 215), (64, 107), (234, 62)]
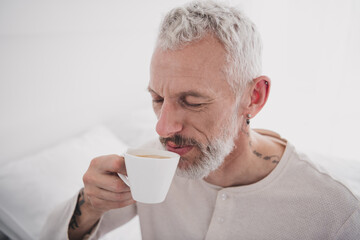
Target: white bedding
[(32, 186)]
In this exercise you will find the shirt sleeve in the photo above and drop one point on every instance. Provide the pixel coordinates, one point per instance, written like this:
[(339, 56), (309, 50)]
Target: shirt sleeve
[(57, 223), (111, 220), (351, 228)]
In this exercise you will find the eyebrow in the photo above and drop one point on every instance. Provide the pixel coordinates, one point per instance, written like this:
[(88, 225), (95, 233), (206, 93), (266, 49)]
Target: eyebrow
[(191, 93), (151, 91)]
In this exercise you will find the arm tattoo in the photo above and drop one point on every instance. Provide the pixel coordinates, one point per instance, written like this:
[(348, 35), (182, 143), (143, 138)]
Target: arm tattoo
[(81, 200)]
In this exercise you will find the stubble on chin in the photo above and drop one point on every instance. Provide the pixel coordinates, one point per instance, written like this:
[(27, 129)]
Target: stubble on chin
[(190, 167)]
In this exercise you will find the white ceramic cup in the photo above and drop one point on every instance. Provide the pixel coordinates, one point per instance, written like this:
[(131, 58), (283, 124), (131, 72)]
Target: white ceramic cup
[(149, 178)]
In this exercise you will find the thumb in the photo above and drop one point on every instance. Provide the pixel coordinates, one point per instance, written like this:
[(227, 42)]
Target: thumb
[(121, 167)]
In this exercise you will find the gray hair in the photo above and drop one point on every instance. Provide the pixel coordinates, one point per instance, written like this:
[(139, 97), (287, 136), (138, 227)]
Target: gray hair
[(238, 34)]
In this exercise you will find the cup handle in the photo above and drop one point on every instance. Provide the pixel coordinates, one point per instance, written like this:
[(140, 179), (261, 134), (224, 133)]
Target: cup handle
[(124, 178)]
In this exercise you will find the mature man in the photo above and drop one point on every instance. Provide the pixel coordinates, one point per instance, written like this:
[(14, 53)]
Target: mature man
[(232, 182)]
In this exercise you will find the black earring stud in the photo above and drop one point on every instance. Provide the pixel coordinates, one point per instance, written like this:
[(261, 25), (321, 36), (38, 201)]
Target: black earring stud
[(248, 119)]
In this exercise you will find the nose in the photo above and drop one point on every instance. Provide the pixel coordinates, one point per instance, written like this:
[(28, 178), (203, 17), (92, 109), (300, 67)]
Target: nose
[(169, 121)]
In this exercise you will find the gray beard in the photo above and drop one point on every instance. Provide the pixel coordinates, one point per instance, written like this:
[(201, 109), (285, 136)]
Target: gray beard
[(213, 155), (210, 160)]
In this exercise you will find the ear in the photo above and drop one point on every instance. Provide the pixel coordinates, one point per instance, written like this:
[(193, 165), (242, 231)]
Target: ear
[(259, 93)]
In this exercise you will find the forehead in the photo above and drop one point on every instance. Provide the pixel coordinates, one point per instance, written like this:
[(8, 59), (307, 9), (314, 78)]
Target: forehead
[(198, 66)]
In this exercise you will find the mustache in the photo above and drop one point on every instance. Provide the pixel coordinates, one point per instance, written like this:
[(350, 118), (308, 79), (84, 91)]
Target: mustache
[(179, 140)]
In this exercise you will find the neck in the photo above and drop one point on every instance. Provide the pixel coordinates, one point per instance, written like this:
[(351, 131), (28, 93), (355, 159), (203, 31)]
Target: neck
[(253, 158)]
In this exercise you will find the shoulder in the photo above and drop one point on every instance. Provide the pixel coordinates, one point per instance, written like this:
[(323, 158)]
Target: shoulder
[(317, 176), (314, 194), (319, 189)]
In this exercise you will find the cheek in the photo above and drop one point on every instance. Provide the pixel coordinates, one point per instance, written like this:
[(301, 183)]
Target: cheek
[(215, 122), (202, 126)]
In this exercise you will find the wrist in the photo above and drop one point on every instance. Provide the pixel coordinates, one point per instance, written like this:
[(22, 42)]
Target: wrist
[(88, 209), (84, 214), (84, 219)]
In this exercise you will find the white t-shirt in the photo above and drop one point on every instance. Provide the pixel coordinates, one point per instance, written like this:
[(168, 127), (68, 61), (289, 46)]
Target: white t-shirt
[(295, 201)]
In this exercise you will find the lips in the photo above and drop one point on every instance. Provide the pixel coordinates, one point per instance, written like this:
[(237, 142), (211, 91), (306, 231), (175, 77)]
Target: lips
[(181, 150)]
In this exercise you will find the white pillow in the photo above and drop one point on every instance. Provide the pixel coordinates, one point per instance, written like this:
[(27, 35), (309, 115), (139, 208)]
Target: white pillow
[(31, 187)]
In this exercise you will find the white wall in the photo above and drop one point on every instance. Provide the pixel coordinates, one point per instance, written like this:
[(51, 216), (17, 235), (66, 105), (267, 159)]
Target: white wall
[(311, 51), (67, 65)]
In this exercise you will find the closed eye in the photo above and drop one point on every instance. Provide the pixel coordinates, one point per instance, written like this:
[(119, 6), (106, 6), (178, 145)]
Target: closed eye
[(193, 104), (158, 100), (185, 103)]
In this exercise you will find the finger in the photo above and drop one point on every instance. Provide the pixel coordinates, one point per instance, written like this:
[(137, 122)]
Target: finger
[(109, 182), (109, 163), (108, 195), (101, 204)]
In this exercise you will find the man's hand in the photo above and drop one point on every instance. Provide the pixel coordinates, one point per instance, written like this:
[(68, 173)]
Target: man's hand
[(103, 191)]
